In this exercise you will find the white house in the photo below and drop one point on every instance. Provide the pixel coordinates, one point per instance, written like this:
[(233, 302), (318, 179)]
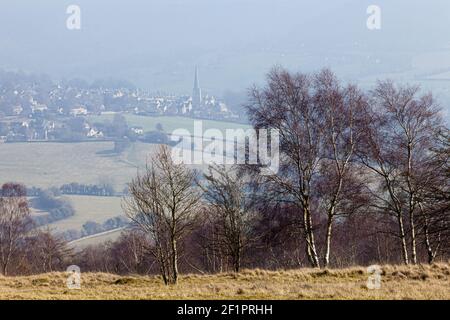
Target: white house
[(80, 111), (138, 130), (93, 133)]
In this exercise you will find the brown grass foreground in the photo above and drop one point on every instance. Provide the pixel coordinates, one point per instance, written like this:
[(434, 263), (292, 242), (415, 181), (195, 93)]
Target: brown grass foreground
[(398, 282)]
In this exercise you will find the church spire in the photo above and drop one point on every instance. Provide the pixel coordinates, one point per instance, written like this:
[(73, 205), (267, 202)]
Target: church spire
[(196, 81), (197, 91)]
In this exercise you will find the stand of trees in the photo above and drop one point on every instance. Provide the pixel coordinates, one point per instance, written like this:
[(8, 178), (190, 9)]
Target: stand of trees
[(57, 208), (23, 248), (102, 190), (230, 214), (345, 152)]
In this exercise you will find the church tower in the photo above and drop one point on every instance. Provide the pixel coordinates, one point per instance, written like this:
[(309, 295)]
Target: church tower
[(197, 92)]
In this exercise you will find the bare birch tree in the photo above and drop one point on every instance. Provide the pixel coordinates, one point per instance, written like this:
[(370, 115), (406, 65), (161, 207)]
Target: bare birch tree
[(341, 109), (163, 203), (399, 130), (316, 118), (15, 222), (286, 104), (433, 197), (230, 207)]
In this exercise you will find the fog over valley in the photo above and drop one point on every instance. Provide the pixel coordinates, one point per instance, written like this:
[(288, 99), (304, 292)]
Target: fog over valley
[(156, 44)]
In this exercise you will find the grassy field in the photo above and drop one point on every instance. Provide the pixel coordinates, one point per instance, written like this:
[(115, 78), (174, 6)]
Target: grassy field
[(89, 208), (96, 239), (169, 123), (53, 164), (398, 282)]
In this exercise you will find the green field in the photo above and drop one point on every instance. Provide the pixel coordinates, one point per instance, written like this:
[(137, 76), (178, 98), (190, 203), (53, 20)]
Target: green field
[(169, 123)]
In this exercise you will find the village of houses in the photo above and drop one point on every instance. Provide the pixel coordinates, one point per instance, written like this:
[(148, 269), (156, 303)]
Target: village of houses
[(60, 112)]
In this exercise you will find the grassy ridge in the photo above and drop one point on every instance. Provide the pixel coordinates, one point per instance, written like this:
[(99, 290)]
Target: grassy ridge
[(398, 282)]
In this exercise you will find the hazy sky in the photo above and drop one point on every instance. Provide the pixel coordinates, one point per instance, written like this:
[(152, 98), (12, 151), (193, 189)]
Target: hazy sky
[(156, 44)]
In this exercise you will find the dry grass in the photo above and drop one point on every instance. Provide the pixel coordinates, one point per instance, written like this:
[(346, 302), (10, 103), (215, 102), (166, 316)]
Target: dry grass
[(398, 282)]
